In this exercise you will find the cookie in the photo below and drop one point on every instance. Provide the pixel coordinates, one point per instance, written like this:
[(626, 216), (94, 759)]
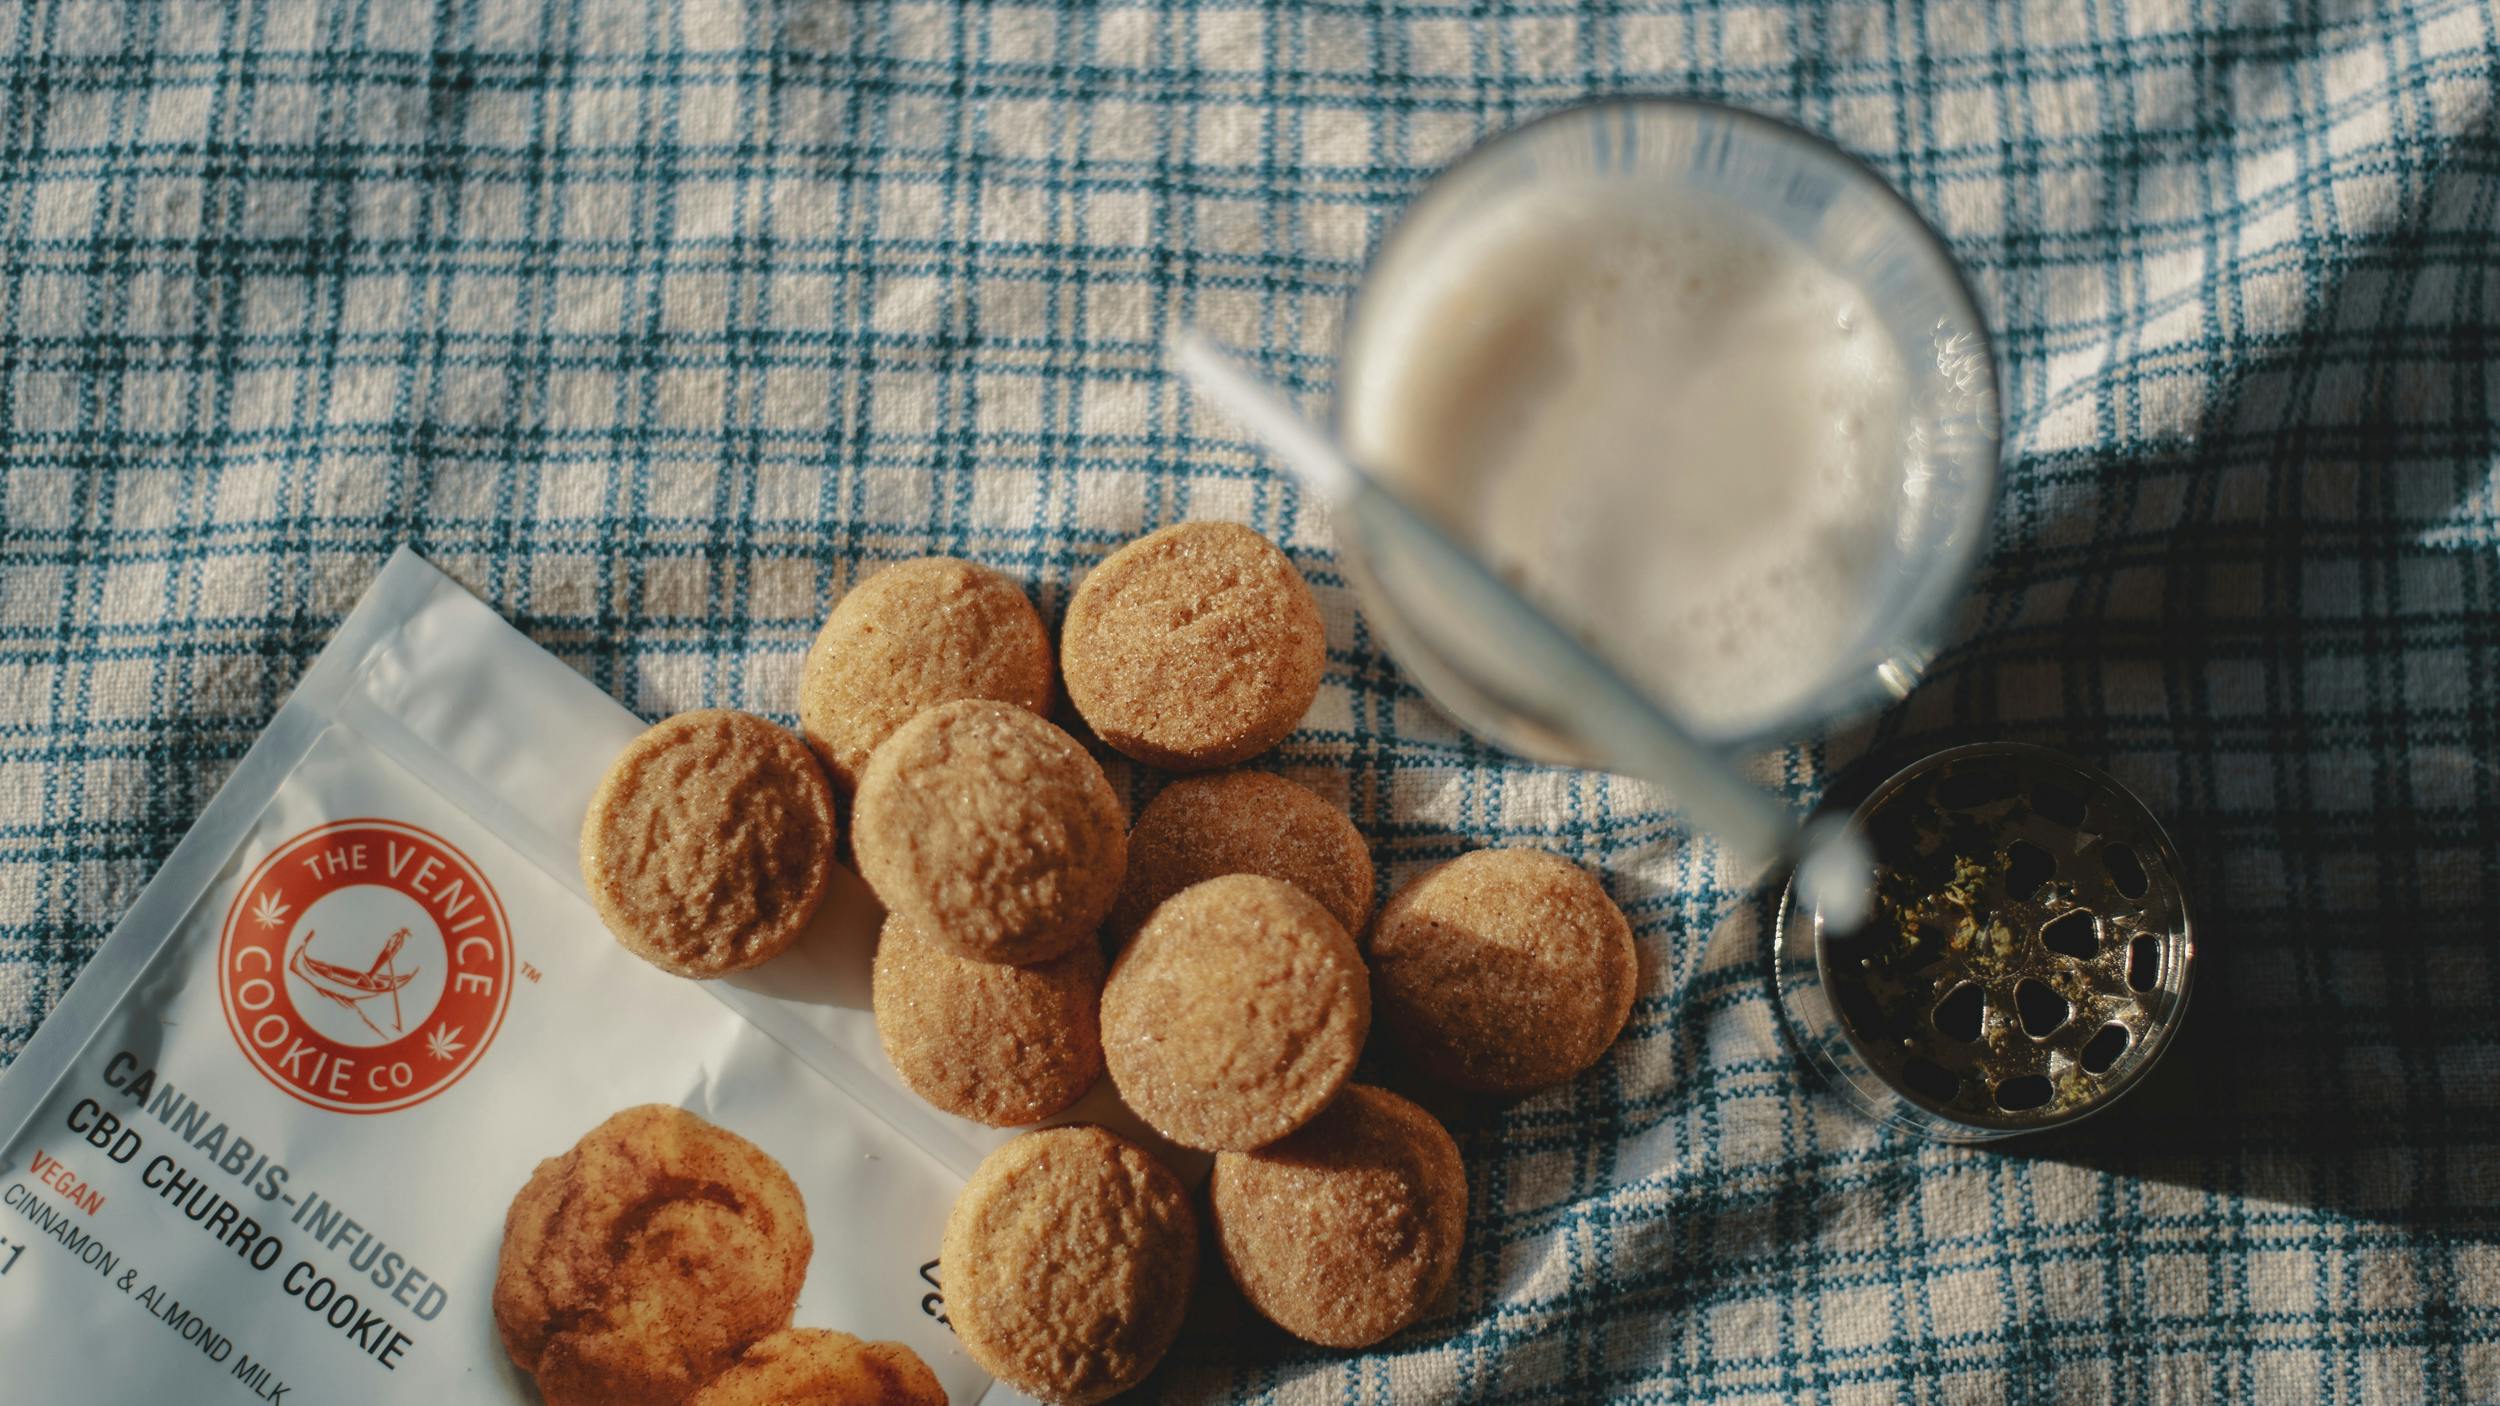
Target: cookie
[(820, 1367), (1349, 1230), (992, 832), (1197, 646), (1504, 970), (1067, 1264), (914, 635), (1243, 822), (709, 843), (997, 1044), (1235, 1013), (638, 1265)]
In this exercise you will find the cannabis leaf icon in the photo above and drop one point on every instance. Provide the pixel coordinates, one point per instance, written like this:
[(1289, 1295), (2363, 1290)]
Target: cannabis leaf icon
[(443, 1042), (267, 910)]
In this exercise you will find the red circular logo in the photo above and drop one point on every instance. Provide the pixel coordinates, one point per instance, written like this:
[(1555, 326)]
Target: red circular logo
[(365, 965)]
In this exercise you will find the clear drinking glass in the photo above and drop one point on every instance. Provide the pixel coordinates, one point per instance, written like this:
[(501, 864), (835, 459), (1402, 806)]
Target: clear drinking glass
[(1834, 207)]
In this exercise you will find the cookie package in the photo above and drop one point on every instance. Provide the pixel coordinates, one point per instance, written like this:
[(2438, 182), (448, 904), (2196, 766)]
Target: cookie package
[(273, 1141)]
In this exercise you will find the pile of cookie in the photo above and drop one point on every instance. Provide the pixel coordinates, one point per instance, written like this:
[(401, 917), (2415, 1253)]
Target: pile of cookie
[(1219, 960)]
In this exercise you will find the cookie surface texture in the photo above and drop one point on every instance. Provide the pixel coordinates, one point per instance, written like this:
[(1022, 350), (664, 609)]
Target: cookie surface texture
[(998, 1044), (1196, 646), (1504, 970), (1349, 1230), (1243, 822), (1235, 1014), (1067, 1264), (991, 831), (709, 843), (820, 1367), (638, 1265), (914, 635)]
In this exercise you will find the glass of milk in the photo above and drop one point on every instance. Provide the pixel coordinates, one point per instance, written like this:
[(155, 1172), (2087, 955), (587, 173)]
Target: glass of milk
[(1699, 384)]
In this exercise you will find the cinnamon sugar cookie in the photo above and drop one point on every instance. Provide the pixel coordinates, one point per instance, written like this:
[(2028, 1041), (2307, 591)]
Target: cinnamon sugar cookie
[(997, 1044), (639, 1264), (992, 832), (820, 1367), (1196, 646), (1235, 1013), (1504, 970), (1243, 822), (1067, 1264), (709, 843), (914, 635), (1347, 1231)]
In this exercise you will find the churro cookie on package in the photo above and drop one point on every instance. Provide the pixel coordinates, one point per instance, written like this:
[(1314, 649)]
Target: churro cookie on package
[(1243, 822), (640, 1264), (998, 1044), (1504, 970), (914, 635), (991, 831), (1068, 1262), (1235, 1014), (820, 1367), (1348, 1230), (1197, 646), (709, 843)]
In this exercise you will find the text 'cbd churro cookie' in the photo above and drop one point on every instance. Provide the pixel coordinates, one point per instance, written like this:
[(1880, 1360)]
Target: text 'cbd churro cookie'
[(998, 1044), (1067, 1264), (1235, 1013), (1243, 822), (914, 635), (1196, 646), (1504, 970), (638, 1265), (820, 1367), (991, 831), (1348, 1230), (709, 843)]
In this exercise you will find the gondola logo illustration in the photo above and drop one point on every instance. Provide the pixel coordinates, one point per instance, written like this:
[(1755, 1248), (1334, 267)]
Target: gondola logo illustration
[(365, 965)]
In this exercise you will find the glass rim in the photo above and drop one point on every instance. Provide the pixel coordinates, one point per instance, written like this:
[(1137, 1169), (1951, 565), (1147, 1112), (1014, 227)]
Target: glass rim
[(1916, 629)]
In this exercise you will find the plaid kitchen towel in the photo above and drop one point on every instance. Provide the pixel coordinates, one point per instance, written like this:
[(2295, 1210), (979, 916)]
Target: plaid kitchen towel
[(660, 321)]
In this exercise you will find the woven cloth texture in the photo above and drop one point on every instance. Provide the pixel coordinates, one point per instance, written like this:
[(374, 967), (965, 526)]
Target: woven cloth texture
[(658, 322)]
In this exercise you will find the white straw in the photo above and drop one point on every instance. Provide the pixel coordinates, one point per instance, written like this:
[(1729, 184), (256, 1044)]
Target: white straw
[(1312, 457)]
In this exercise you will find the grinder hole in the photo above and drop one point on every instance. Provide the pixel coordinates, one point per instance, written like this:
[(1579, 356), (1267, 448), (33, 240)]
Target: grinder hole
[(2027, 867), (2144, 962), (1958, 1014), (2103, 1052), (2125, 870), (2042, 1009), (2023, 1092), (2055, 802), (1930, 1078), (2076, 935), (1970, 787)]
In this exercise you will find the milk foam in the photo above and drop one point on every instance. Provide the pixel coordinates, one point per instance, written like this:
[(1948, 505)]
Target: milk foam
[(1669, 424)]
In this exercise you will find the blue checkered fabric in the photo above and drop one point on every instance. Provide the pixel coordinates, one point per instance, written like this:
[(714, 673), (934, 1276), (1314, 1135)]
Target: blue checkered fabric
[(659, 321)]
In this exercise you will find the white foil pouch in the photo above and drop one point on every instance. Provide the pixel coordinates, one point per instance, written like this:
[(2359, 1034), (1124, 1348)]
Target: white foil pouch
[(265, 1145)]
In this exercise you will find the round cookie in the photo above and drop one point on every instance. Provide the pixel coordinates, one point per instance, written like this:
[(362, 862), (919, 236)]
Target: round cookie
[(990, 831), (1504, 970), (1067, 1264), (1349, 1230), (820, 1367), (1243, 822), (1236, 1013), (638, 1265), (916, 634), (997, 1044), (1193, 647), (709, 843)]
